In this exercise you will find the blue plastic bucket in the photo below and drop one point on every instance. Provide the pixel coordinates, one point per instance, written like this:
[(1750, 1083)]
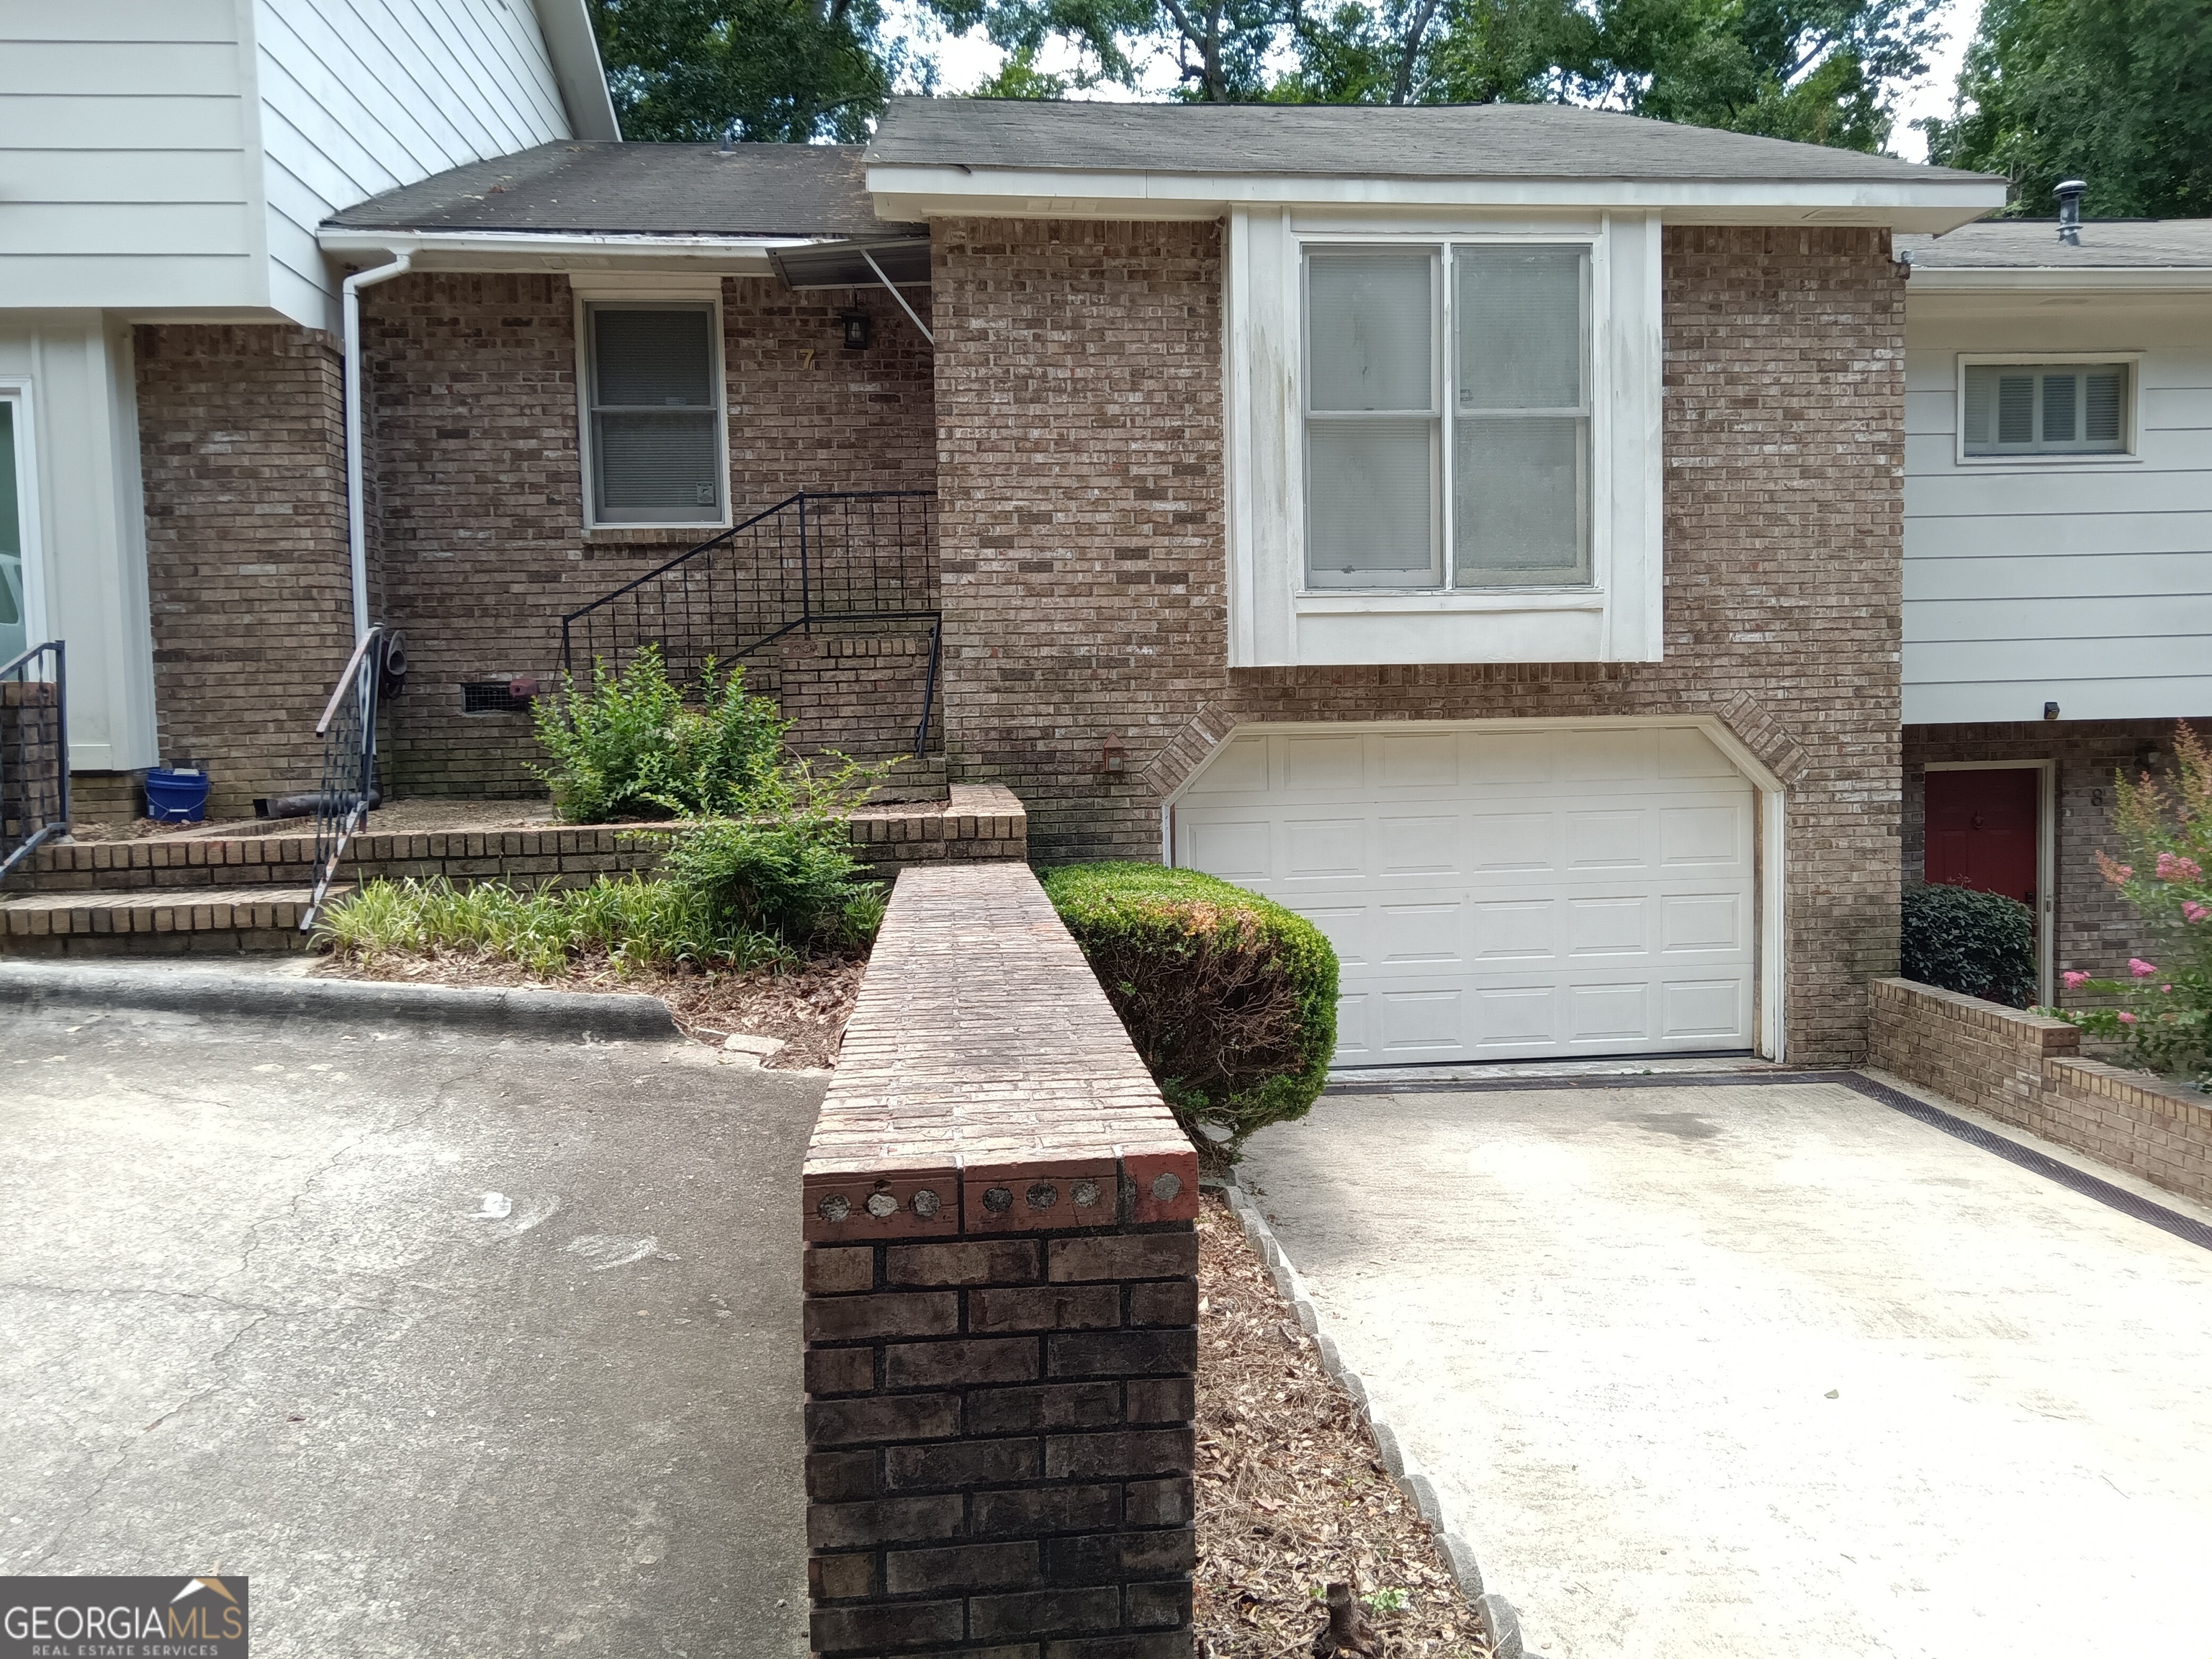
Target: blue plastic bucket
[(176, 797)]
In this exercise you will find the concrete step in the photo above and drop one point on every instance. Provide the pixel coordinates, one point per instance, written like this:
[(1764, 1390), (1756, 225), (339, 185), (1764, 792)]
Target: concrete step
[(155, 921)]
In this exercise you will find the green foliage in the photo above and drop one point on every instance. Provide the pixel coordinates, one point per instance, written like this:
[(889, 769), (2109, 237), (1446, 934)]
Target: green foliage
[(1230, 998), (794, 879), (2163, 1010), (789, 71), (633, 922), (630, 748), (2115, 93), (1979, 944)]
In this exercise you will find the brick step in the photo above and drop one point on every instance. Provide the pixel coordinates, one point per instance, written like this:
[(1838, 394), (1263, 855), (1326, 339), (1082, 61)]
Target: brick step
[(154, 922), (977, 821)]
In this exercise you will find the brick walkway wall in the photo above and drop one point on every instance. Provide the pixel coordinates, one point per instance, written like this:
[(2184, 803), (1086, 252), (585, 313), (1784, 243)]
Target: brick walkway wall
[(2026, 1070), (2096, 930), (1002, 1301), (1078, 391), (241, 440)]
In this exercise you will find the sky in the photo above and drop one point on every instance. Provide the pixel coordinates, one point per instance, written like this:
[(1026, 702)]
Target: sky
[(965, 62)]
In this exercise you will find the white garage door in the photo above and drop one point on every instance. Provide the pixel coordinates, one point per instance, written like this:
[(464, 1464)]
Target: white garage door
[(1500, 894)]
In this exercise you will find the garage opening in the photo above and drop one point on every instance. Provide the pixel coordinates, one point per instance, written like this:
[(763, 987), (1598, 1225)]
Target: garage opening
[(1497, 892)]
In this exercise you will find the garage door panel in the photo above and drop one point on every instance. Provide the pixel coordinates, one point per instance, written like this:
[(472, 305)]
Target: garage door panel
[(1430, 760), (1515, 930), (1704, 921), (1618, 1013), (1495, 895), (1614, 840), (1238, 766), (1329, 762), (1432, 934), (1489, 760), (1618, 926), (1418, 845), (1238, 850), (1335, 848), (1689, 836)]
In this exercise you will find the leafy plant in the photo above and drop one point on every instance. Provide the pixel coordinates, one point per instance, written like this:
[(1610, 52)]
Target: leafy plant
[(2164, 1009), (631, 747), (1979, 944), (1230, 998), (793, 879)]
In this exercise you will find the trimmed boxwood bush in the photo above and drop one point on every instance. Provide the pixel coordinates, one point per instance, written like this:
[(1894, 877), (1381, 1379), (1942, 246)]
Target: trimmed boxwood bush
[(1230, 998), (1981, 945)]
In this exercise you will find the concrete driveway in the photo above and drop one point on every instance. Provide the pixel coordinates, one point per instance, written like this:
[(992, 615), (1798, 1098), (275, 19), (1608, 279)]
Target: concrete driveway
[(257, 1316), (1773, 1370)]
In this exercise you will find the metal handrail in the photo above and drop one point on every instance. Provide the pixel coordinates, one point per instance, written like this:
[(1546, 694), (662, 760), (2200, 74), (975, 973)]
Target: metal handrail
[(347, 788), (55, 753)]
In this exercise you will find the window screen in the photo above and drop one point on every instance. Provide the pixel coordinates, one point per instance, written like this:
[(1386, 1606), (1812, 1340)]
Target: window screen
[(2045, 409), (1371, 420), (655, 416)]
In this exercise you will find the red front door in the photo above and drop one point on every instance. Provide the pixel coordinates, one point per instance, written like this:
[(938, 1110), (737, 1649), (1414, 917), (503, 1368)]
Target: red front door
[(1981, 830)]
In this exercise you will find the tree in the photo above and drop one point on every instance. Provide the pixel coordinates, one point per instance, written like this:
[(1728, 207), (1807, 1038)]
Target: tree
[(2117, 93), (790, 70), (1430, 51), (1220, 46), (1820, 72)]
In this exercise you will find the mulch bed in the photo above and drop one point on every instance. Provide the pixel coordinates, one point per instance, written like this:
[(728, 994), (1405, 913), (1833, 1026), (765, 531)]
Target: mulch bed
[(1291, 1493), (807, 1005)]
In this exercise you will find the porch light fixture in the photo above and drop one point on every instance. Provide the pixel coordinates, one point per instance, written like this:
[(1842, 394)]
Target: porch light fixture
[(2051, 711), (1117, 756), (856, 330)]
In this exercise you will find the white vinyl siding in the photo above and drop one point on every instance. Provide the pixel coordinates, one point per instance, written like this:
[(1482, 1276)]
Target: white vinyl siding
[(2081, 579), (359, 97), (125, 172), (653, 439)]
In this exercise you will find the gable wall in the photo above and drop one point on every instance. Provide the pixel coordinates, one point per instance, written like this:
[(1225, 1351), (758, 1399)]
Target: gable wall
[(1079, 397)]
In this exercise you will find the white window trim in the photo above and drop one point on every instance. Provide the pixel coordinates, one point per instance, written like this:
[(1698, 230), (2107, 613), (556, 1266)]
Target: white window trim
[(2129, 454), (1275, 620), (19, 390), (648, 296)]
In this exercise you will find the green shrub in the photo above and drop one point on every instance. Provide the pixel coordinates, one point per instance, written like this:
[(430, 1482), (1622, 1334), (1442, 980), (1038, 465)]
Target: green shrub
[(630, 748), (633, 922), (793, 878), (1980, 945), (1229, 998)]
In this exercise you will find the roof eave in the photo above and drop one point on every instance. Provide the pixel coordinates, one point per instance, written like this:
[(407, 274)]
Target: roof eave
[(532, 250), (907, 191)]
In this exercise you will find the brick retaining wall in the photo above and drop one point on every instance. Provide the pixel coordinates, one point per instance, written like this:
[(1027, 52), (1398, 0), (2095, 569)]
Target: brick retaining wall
[(2026, 1070), (1002, 1301)]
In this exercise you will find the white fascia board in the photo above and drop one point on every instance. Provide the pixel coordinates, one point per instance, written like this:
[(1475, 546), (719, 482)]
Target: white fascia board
[(566, 27), (518, 250), (927, 192), (2014, 279)]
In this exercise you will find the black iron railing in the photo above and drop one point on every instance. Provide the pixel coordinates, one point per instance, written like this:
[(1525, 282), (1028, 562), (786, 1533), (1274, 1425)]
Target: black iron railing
[(836, 560), (34, 779), (348, 791)]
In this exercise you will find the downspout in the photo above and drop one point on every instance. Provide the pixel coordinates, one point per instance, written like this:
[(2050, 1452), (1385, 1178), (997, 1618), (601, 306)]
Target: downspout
[(357, 514)]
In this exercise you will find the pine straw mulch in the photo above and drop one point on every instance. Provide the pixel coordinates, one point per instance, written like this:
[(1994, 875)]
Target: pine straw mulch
[(807, 1005), (1291, 1493)]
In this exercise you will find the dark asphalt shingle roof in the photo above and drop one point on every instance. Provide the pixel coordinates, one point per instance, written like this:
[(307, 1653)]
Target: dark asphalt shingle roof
[(2033, 245), (651, 190), (1458, 141)]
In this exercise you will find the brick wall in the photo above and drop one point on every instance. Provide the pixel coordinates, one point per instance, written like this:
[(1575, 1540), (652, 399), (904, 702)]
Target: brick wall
[(859, 695), (1078, 393), (2096, 931), (2028, 1071), (480, 544), (241, 442), (1002, 1301)]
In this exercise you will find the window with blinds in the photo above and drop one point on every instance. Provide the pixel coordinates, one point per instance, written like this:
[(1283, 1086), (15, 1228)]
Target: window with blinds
[(655, 415), (1448, 417), (2045, 409)]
